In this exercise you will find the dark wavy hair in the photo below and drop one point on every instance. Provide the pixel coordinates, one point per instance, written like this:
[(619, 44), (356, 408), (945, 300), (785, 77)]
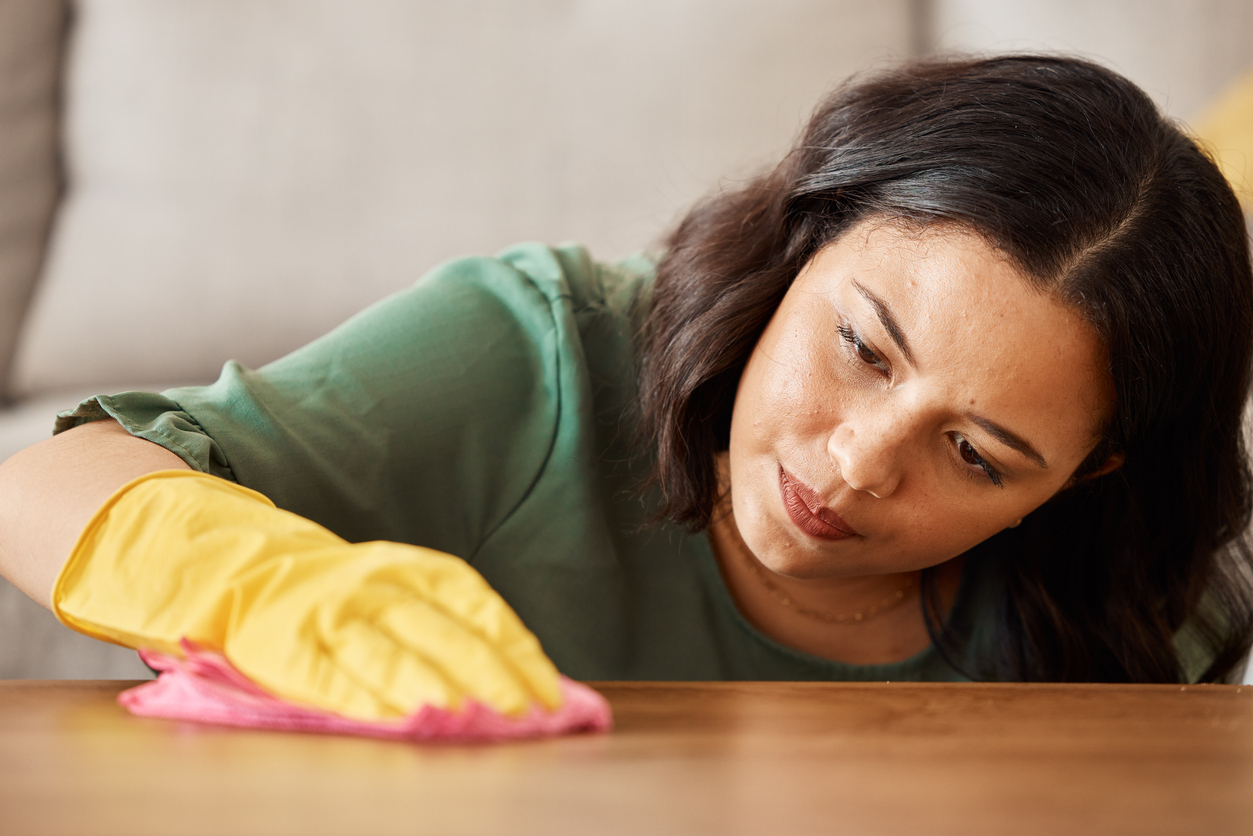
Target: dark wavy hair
[(1069, 170)]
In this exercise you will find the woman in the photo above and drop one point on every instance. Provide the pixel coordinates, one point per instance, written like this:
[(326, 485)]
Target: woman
[(954, 392)]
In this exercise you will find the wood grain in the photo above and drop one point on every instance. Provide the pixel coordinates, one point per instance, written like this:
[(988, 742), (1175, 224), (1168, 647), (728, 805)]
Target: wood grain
[(686, 758)]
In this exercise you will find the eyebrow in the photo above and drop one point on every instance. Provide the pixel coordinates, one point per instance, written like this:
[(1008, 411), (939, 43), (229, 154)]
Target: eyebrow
[(1009, 439), (888, 321)]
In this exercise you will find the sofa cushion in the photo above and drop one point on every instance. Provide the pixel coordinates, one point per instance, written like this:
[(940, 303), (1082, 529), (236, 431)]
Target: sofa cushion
[(244, 174), (31, 36)]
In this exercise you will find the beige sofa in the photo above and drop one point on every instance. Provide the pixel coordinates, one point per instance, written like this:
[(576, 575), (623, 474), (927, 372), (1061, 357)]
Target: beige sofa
[(183, 183)]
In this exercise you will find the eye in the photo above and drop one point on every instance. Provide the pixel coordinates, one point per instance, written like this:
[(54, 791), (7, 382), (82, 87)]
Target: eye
[(862, 350), (971, 457)]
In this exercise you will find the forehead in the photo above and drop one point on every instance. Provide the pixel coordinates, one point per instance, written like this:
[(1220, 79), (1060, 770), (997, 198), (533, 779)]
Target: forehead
[(979, 332)]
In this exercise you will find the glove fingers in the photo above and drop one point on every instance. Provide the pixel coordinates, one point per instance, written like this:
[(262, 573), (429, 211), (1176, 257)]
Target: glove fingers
[(522, 654), (399, 677), (451, 586), (422, 635), (393, 628)]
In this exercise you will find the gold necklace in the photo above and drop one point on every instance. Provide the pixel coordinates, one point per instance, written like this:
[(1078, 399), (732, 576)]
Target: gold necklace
[(887, 603)]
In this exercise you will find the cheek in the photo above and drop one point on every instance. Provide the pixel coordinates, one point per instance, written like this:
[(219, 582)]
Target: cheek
[(790, 391), (937, 521)]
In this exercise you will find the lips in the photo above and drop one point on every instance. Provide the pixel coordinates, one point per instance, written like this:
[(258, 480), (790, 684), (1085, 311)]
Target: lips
[(804, 507)]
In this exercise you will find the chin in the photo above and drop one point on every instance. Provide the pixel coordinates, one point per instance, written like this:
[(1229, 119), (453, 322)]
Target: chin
[(790, 557)]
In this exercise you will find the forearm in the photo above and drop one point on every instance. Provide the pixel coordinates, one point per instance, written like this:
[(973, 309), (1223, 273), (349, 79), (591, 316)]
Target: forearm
[(369, 630), (49, 491)]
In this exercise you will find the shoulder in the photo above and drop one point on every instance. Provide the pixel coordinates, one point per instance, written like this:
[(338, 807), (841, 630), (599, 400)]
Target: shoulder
[(451, 396), (480, 319), (532, 309), (565, 277)]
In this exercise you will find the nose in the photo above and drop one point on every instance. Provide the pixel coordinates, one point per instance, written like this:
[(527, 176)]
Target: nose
[(870, 451)]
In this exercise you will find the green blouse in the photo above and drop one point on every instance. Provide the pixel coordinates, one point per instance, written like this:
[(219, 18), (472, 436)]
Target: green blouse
[(487, 412)]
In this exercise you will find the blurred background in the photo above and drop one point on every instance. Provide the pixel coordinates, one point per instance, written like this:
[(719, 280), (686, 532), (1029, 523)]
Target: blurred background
[(187, 181)]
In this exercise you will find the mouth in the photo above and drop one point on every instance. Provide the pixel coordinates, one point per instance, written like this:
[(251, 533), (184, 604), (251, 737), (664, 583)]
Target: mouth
[(804, 507)]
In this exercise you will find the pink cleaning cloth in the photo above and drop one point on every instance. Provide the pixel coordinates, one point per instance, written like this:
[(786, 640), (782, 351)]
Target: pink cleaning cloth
[(205, 687)]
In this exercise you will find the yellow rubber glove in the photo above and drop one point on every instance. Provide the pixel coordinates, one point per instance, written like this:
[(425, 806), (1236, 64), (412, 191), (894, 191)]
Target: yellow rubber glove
[(368, 630)]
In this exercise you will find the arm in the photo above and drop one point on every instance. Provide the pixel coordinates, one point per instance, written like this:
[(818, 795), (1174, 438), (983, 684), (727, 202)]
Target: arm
[(396, 626), (49, 491), (369, 630), (423, 420)]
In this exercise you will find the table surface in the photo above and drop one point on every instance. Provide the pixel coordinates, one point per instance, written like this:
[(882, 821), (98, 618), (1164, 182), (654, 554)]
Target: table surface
[(685, 758)]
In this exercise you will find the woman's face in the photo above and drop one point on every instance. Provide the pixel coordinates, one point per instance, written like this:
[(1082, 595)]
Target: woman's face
[(911, 397)]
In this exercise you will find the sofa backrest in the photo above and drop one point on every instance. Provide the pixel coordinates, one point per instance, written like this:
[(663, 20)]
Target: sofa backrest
[(244, 174), (31, 40)]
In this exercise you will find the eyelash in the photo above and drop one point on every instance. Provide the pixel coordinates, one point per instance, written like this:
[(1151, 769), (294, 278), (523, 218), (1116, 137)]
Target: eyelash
[(868, 357), (862, 350)]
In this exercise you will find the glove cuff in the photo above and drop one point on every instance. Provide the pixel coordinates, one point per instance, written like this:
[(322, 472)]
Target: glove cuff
[(72, 588)]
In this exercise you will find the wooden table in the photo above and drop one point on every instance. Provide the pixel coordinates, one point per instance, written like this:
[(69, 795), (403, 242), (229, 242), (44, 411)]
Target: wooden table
[(726, 758)]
